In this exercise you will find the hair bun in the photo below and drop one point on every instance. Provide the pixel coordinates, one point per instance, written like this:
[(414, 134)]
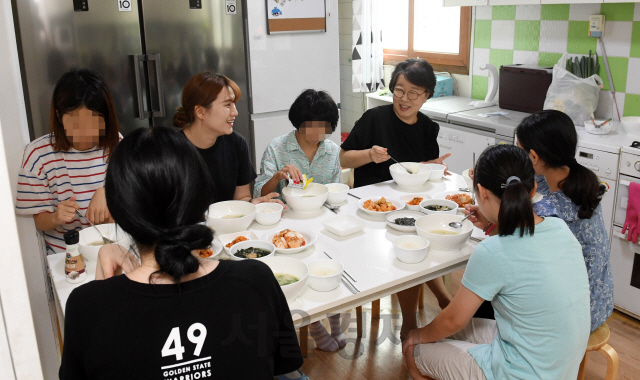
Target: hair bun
[(180, 118), (173, 249)]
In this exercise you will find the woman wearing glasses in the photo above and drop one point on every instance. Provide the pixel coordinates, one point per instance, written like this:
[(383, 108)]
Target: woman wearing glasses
[(400, 130)]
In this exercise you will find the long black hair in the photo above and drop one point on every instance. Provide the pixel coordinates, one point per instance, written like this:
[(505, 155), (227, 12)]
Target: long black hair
[(155, 190), (552, 135), (507, 172)]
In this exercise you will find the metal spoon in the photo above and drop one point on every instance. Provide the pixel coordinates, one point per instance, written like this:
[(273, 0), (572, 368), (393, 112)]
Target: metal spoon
[(459, 224), (104, 238), (408, 171), (333, 208)]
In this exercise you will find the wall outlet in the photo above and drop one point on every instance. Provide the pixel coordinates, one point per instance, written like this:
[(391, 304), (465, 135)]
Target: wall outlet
[(596, 25)]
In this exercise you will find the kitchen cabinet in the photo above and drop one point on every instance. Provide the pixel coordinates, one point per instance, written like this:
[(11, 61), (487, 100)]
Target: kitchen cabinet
[(464, 3), (513, 2), (619, 1), (574, 1)]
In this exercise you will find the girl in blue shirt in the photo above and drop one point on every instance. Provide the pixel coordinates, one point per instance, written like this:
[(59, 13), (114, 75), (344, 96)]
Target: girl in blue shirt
[(532, 272)]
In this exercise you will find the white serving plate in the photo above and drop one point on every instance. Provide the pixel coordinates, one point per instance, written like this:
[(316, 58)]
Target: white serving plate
[(443, 195), (228, 238), (399, 205), (392, 216), (344, 225), (309, 238), (408, 197)]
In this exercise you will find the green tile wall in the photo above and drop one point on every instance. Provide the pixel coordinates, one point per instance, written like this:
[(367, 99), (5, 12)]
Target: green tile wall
[(527, 35), (579, 41), (557, 12), (617, 12)]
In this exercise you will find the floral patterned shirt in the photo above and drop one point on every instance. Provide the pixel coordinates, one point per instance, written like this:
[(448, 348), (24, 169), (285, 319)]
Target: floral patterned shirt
[(325, 167), (592, 235)]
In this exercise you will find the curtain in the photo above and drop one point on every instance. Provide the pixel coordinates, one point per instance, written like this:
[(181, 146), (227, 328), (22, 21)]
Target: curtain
[(366, 57)]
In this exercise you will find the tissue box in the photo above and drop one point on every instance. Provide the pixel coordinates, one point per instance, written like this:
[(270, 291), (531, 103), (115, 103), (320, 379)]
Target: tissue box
[(444, 86)]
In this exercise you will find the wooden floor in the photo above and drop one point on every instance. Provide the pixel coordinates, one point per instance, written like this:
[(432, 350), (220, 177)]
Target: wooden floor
[(378, 354)]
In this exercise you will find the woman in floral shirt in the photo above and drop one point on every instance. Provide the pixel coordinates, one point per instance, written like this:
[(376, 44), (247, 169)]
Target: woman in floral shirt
[(572, 193)]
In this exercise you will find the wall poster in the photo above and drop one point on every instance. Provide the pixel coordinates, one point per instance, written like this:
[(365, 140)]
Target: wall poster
[(295, 16)]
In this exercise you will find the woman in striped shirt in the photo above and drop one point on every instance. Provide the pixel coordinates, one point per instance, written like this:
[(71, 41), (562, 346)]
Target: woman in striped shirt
[(64, 171)]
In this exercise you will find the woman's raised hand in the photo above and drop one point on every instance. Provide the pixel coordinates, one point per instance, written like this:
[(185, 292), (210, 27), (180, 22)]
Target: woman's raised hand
[(440, 161), (378, 154), (66, 211)]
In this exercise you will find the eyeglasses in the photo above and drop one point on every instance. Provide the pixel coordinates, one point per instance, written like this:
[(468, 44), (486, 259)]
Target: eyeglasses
[(412, 95)]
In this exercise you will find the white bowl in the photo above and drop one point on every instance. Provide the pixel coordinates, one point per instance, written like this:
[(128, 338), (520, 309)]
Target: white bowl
[(306, 201), (467, 180), (337, 193), (252, 243), (268, 213), (444, 243), (309, 239), (89, 235), (410, 181), (322, 283), (409, 197), (219, 210), (437, 172), (411, 249), (216, 248), (443, 202), (392, 216), (294, 267), (228, 238), (344, 225), (443, 195), (602, 130), (631, 124), (398, 205)]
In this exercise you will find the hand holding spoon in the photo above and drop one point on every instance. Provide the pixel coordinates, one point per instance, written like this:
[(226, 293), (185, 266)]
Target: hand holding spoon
[(459, 224)]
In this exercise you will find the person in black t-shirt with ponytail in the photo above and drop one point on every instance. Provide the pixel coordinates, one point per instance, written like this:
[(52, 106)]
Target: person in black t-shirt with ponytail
[(175, 315)]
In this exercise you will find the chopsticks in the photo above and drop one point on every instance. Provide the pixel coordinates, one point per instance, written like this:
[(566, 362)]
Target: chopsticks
[(354, 196), (352, 288)]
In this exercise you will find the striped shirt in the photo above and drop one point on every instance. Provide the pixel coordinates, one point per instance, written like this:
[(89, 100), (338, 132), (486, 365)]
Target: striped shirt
[(47, 178)]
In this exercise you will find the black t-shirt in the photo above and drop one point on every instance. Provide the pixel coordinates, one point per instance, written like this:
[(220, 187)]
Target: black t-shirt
[(229, 162), (404, 142), (233, 323)]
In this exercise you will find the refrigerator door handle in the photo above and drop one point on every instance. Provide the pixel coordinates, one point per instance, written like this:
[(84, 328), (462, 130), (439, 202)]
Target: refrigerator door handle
[(158, 70), (137, 60)]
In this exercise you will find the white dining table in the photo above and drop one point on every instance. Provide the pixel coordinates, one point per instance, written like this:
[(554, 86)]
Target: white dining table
[(368, 256)]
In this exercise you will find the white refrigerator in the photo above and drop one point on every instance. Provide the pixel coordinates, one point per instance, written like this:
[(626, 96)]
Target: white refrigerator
[(281, 66)]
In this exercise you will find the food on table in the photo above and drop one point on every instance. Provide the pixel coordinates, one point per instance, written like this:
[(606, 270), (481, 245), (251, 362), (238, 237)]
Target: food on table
[(333, 189), (96, 243), (307, 196), (413, 169), (405, 221), (438, 208), (285, 279), (409, 245), (251, 253), (204, 253), (443, 232), (415, 201), (461, 199), (381, 205), (286, 239), (231, 216), (267, 210), (321, 271), (236, 241)]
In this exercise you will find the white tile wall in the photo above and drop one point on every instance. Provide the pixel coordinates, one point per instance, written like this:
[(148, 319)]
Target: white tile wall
[(553, 36), (350, 102), (617, 38), (502, 34), (581, 12), (528, 12)]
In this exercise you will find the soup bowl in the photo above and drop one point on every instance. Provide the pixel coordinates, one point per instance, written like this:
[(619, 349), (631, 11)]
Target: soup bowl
[(410, 181), (411, 249), (91, 242), (306, 201), (437, 172), (453, 206), (291, 266), (325, 275), (230, 216), (441, 236), (251, 243)]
